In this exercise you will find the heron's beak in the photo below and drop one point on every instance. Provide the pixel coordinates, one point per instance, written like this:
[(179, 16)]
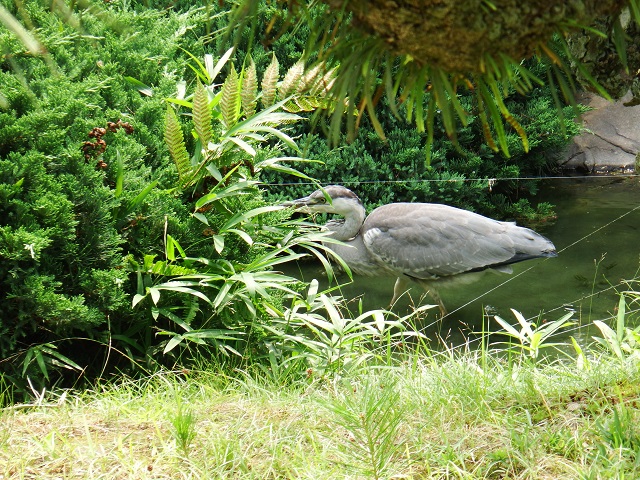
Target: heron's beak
[(300, 203)]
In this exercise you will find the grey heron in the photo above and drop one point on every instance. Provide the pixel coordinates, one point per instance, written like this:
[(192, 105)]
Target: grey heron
[(430, 244)]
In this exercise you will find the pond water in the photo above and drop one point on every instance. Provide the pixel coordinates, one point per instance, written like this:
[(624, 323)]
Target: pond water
[(597, 235)]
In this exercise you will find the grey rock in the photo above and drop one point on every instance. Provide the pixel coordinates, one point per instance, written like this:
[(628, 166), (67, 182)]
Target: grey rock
[(611, 139)]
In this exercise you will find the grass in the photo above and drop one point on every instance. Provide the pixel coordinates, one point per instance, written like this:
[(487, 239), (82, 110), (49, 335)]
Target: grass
[(453, 415)]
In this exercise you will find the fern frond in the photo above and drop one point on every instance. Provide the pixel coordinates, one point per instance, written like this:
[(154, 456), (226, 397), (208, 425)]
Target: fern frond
[(175, 143), (306, 103), (249, 92), (291, 81), (325, 83), (270, 82), (230, 100), (202, 115), (310, 79)]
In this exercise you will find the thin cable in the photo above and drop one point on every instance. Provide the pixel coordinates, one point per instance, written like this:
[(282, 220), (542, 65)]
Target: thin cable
[(600, 228), (488, 180)]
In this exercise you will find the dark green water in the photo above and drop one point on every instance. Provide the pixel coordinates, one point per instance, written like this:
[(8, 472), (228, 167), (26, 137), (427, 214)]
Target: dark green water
[(597, 235)]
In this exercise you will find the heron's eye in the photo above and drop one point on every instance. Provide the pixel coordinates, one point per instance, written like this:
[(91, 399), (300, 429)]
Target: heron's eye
[(322, 200)]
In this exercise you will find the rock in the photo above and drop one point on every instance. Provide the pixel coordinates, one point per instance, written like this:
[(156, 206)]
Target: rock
[(611, 139)]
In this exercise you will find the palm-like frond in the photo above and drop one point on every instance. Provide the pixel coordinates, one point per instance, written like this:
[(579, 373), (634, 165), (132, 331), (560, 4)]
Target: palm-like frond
[(202, 115), (175, 142), (370, 65), (270, 82), (249, 92)]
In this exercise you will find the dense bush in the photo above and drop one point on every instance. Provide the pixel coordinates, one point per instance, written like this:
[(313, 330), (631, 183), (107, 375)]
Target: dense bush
[(70, 208)]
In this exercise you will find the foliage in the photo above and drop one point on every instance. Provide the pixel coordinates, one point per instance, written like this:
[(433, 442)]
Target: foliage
[(85, 219), (95, 217), (233, 290), (374, 63), (372, 412), (533, 338), (83, 180), (469, 176), (623, 342), (317, 330), (238, 126), (420, 413)]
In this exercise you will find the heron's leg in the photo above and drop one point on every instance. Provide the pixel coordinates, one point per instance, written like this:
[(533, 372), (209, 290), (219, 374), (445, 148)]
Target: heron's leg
[(399, 288), (433, 293)]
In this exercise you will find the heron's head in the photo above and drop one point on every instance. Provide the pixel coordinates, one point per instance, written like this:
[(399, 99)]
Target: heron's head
[(331, 199)]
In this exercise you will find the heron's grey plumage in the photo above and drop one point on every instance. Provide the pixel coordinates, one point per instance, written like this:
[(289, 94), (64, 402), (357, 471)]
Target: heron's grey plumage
[(429, 243)]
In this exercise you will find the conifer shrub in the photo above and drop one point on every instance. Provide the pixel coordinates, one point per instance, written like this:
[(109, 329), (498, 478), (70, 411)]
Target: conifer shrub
[(84, 181)]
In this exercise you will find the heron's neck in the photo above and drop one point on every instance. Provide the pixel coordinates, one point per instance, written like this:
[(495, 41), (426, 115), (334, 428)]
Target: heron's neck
[(351, 225)]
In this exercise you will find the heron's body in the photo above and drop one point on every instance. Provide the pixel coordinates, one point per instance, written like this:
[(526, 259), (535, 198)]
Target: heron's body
[(428, 243)]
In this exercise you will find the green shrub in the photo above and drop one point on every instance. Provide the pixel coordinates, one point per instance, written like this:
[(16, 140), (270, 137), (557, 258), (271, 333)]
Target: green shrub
[(71, 209)]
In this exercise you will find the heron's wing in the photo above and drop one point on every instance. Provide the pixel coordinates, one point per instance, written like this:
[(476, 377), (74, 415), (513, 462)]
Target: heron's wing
[(430, 240)]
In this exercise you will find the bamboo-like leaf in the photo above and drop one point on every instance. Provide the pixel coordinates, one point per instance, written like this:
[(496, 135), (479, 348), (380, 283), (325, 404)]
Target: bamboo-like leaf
[(59, 359), (494, 113), (141, 87), (218, 243), (291, 81), (620, 319), (270, 82), (509, 118), (230, 100), (249, 93), (172, 343), (176, 287), (486, 129), (220, 65), (243, 145), (138, 199), (175, 143), (200, 71), (202, 115), (246, 216)]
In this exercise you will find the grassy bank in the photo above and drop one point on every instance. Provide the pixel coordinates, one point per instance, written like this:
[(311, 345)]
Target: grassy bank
[(452, 415)]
